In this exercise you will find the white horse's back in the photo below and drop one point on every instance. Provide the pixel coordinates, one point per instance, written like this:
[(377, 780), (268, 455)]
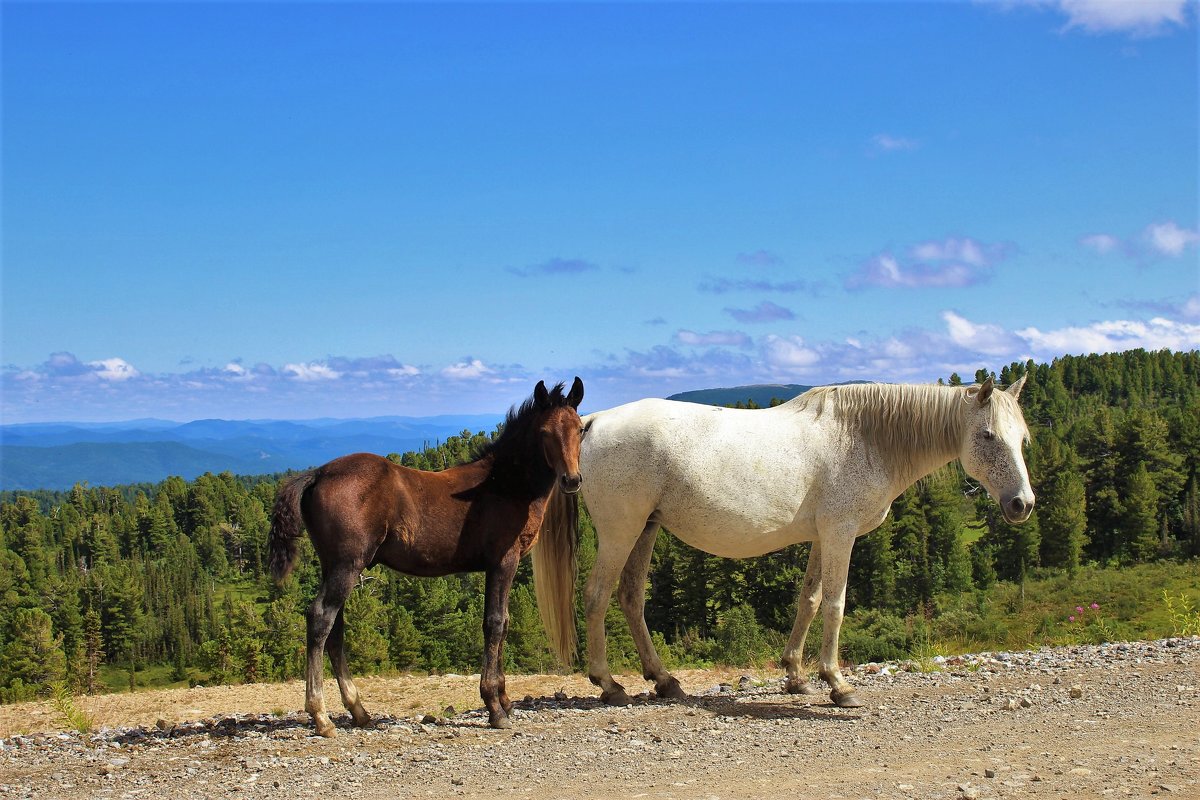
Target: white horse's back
[(732, 482)]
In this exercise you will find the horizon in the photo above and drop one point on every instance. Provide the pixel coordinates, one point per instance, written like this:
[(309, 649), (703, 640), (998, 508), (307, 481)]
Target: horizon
[(292, 212)]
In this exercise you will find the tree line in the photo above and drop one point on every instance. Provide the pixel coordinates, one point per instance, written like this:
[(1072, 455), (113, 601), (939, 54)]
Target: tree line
[(104, 581)]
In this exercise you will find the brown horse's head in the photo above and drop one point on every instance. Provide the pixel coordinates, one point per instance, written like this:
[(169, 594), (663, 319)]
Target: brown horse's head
[(559, 431)]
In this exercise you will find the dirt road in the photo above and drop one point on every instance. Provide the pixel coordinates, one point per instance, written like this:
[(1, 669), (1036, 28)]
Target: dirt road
[(1115, 720)]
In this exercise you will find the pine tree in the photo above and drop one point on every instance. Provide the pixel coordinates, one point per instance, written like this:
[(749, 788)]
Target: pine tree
[(33, 657), (1139, 523)]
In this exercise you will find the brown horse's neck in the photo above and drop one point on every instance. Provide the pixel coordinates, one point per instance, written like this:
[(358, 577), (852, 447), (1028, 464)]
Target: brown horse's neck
[(519, 472)]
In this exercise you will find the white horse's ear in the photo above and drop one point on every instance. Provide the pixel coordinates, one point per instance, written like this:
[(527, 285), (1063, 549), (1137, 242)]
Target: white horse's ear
[(985, 391), (1015, 389)]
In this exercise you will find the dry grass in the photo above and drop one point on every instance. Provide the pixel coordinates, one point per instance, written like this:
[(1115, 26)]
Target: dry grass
[(399, 696)]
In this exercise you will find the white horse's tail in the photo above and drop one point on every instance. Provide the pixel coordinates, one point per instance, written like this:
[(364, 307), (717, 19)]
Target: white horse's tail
[(555, 568)]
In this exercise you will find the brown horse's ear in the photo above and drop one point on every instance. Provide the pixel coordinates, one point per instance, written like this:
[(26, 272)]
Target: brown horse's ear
[(985, 391), (540, 395), (575, 397)]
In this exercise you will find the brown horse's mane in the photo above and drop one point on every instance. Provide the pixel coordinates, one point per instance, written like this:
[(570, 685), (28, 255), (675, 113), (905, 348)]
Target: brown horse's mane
[(514, 432)]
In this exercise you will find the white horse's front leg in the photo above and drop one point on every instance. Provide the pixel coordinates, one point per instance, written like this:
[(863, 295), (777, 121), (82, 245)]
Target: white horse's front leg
[(806, 610), (835, 567)]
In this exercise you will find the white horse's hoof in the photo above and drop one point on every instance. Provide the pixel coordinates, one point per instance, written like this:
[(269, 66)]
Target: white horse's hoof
[(798, 686), (845, 699)]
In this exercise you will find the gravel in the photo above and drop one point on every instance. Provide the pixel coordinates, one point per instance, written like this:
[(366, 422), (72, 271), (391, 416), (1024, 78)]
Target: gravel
[(1112, 720)]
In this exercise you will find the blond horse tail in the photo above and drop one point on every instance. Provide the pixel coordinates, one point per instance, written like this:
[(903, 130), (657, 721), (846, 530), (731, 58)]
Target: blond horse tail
[(555, 568)]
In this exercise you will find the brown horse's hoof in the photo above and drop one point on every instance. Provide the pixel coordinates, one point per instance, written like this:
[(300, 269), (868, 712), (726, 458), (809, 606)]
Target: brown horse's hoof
[(362, 720), (617, 697), (846, 699), (799, 686), (671, 690), (499, 721)]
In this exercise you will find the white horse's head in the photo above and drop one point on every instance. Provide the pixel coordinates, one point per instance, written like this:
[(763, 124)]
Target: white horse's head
[(990, 451)]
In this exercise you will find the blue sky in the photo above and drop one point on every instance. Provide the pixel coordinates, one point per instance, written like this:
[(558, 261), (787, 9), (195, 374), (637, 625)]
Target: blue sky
[(301, 210)]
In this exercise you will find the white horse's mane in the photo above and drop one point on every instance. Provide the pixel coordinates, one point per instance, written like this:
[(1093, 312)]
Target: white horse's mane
[(902, 421)]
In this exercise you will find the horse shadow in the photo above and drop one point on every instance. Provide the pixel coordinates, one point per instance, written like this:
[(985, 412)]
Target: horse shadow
[(755, 704)]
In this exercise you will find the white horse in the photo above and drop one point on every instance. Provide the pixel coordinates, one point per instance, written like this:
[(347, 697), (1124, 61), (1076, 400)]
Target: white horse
[(823, 467)]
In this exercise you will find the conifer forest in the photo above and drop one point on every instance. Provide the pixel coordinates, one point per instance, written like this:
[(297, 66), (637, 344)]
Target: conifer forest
[(112, 588)]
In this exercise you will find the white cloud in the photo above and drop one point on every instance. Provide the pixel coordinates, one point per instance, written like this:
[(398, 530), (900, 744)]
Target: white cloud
[(313, 371), (788, 352), (886, 143), (1169, 239), (1114, 336), (113, 369), (468, 369), (403, 371), (1102, 243), (1136, 17), (952, 249), (713, 339), (991, 340), (1191, 308), (952, 262)]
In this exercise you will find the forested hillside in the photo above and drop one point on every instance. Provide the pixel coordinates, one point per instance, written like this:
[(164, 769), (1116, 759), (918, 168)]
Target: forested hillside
[(166, 582)]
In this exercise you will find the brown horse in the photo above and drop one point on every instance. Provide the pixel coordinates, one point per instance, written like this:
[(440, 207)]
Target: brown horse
[(362, 510)]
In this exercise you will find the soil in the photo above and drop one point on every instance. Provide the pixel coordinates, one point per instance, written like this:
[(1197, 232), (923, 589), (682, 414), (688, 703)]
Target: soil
[(1113, 720)]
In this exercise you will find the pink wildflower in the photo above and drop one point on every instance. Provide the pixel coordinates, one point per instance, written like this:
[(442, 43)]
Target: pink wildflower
[(1095, 606), (1078, 609), (1071, 618)]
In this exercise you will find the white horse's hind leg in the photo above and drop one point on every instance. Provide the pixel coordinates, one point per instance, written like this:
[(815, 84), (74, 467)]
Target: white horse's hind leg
[(806, 610), (611, 554), (835, 566), (632, 595)]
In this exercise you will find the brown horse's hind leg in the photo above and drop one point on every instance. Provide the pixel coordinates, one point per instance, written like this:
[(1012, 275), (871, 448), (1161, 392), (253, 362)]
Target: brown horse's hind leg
[(337, 657), (810, 602), (322, 615)]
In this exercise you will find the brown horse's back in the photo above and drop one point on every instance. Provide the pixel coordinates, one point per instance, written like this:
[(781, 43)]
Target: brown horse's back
[(365, 510)]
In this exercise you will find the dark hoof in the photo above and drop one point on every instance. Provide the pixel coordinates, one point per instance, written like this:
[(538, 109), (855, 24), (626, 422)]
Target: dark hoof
[(617, 697), (499, 721), (845, 699), (799, 686), (363, 721), (671, 690)]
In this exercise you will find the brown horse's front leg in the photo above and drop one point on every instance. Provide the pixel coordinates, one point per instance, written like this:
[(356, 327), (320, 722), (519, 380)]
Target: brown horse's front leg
[(495, 627)]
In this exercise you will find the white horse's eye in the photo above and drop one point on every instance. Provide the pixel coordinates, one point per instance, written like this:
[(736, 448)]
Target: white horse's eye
[(988, 434)]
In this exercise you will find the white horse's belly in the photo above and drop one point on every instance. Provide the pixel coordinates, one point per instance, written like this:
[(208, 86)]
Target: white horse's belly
[(732, 538)]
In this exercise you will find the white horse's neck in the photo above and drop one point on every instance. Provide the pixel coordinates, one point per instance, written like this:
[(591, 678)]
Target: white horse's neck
[(912, 429)]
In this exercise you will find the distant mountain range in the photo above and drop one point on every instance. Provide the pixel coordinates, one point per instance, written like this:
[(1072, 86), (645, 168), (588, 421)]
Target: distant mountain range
[(58, 455), (762, 394)]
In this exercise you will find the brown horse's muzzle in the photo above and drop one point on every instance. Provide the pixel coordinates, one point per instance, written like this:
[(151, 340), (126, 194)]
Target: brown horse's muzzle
[(569, 484)]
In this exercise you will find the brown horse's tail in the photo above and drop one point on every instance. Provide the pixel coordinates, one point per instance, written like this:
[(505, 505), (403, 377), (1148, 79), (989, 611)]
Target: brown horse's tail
[(286, 524), (555, 567)]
